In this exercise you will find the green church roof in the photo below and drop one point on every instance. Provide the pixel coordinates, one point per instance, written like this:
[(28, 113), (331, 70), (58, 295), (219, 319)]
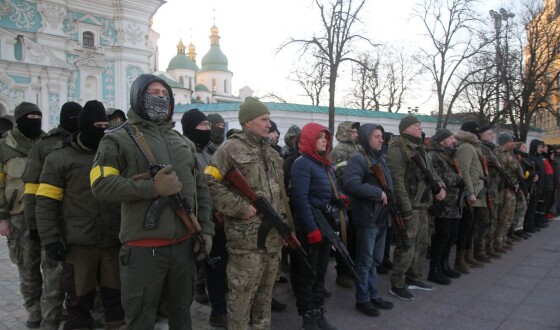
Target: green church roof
[(200, 88), (182, 61), (214, 60)]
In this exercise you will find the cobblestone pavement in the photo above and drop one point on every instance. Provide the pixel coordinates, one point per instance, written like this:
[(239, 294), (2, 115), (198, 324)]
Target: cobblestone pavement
[(519, 291)]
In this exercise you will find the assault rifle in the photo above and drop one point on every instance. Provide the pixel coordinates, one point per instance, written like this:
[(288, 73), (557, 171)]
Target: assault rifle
[(177, 201), (495, 163), (377, 171), (487, 181), (463, 195), (433, 185), (271, 218)]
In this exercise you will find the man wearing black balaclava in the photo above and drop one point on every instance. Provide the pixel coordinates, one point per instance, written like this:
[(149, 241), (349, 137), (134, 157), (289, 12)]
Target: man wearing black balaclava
[(217, 131), (51, 304), (14, 150), (78, 230), (162, 259)]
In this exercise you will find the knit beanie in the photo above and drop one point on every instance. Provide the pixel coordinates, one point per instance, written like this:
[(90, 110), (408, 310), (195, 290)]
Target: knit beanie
[(407, 121), (251, 109), (485, 128), (25, 108), (69, 113), (442, 134), (356, 125), (215, 118), (472, 127), (273, 127), (191, 119), (6, 123), (504, 138)]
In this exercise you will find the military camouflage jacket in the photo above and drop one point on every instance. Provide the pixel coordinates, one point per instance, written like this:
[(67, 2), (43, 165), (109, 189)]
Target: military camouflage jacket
[(14, 150), (262, 167), (444, 167), (496, 185), (510, 165), (288, 149), (408, 179), (55, 138), (66, 208), (343, 150)]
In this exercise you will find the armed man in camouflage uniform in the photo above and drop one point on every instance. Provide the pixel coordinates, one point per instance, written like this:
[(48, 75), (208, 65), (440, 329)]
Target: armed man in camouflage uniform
[(251, 272), (79, 230), (52, 296), (485, 224), (347, 137), (290, 141), (414, 196), (507, 209), (25, 253), (161, 259)]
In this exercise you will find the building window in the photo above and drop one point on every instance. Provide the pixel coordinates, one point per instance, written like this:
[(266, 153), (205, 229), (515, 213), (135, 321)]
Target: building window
[(182, 81), (213, 85), (225, 86), (88, 39), (18, 48), (190, 83)]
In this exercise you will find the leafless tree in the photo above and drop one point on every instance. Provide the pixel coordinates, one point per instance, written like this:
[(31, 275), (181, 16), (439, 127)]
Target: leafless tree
[(335, 42), (367, 92), (450, 26), (532, 75), (312, 76)]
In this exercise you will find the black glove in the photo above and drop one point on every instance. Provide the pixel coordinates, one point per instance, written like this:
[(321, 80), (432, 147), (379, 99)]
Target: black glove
[(435, 187), (56, 251), (34, 235)]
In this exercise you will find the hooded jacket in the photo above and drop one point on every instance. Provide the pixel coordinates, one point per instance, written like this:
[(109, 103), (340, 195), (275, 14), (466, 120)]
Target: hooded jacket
[(497, 183), (310, 182), (539, 166), (343, 150), (363, 187), (118, 160), (289, 148), (468, 156)]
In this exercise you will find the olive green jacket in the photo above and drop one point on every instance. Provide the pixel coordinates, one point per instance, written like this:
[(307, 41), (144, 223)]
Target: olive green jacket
[(14, 150), (66, 208), (118, 160), (468, 155)]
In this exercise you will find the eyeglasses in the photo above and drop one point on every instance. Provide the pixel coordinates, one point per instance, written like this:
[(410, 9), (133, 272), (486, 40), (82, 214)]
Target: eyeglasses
[(158, 92)]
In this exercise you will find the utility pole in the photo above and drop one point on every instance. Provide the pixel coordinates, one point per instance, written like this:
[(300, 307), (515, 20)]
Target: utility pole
[(499, 16)]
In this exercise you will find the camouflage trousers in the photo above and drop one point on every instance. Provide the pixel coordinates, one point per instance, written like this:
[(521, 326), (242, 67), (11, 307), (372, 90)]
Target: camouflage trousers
[(484, 227), (53, 295), (505, 218), (409, 263), (250, 278), (26, 255), (520, 210)]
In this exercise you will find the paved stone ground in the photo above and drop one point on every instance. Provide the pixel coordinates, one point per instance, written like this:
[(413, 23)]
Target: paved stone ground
[(519, 291)]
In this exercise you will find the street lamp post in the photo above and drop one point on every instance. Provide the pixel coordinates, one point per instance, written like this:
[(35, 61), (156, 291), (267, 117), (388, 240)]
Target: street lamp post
[(499, 16)]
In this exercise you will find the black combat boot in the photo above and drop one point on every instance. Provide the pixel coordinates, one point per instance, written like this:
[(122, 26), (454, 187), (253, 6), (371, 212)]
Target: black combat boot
[(322, 322), (448, 271), (436, 275), (310, 320)]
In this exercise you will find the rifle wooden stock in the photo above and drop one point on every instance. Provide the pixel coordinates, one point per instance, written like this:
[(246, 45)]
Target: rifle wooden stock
[(458, 170), (377, 171), (271, 218), (432, 183)]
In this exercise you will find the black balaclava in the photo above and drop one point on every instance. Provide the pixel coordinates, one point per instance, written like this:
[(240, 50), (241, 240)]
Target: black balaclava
[(190, 120), (93, 112), (69, 114), (6, 124), (30, 128), (217, 134)]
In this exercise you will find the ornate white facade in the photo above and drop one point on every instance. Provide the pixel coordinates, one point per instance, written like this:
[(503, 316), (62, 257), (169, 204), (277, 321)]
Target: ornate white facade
[(73, 50)]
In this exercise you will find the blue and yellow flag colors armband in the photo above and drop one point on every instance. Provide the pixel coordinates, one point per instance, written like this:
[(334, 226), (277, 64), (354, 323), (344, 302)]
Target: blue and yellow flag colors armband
[(50, 191), (101, 172), (214, 172), (31, 188)]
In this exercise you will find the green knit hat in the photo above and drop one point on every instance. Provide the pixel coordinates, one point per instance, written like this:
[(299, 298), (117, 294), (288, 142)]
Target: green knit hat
[(251, 109), (407, 121)]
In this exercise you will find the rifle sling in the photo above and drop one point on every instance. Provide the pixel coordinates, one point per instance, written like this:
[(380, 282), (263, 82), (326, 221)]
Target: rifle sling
[(342, 218), (139, 137)]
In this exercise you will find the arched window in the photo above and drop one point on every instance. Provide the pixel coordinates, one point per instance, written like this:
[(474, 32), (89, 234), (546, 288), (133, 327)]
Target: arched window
[(182, 81), (88, 39), (213, 85), (225, 86)]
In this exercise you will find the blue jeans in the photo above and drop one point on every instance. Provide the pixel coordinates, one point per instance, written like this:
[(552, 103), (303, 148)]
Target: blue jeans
[(370, 246)]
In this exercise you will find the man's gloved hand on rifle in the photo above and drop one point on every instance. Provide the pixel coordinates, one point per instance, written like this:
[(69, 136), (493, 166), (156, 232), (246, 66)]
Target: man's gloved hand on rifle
[(56, 251), (166, 182), (200, 254), (342, 202), (314, 237)]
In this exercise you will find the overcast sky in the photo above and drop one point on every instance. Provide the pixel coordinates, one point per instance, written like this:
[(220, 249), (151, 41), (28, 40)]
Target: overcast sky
[(252, 30)]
